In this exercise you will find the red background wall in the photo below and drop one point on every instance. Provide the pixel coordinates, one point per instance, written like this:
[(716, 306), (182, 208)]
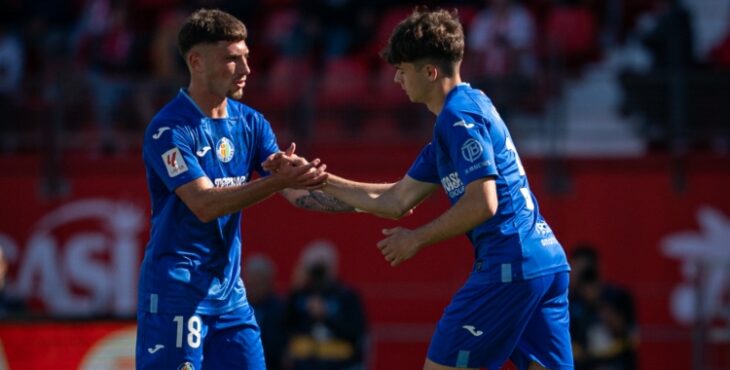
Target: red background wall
[(626, 207)]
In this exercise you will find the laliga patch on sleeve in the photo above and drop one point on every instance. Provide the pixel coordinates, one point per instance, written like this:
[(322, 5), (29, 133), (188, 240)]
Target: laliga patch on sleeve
[(174, 162)]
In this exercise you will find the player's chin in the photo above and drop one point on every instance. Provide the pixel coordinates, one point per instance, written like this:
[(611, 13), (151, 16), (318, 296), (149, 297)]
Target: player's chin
[(410, 97), (236, 93)]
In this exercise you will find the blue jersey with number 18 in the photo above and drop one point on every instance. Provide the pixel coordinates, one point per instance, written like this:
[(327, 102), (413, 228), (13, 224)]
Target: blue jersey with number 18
[(189, 265), (470, 141)]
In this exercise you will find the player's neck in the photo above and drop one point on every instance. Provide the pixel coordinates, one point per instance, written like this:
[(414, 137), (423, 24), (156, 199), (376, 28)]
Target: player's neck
[(441, 90), (211, 105)]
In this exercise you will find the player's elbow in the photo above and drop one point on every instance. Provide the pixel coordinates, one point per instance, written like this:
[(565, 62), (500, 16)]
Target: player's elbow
[(203, 213), (404, 213), (488, 211), (204, 217), (398, 212)]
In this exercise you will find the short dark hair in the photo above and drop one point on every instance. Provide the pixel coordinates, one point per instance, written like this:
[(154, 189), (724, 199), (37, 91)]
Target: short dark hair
[(209, 26), (434, 36)]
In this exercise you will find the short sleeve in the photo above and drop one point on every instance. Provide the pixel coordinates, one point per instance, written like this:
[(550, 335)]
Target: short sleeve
[(168, 151), (265, 145), (469, 145), (425, 168)]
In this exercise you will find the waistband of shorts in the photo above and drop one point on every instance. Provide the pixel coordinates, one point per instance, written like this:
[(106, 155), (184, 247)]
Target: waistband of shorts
[(503, 272)]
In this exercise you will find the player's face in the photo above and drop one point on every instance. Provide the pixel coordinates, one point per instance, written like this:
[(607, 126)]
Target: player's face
[(413, 80), (226, 68)]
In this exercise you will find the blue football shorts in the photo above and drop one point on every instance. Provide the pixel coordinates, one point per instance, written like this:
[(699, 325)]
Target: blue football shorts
[(488, 322), (193, 342)]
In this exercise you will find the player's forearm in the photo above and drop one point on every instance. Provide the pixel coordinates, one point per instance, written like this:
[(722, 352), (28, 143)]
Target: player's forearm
[(469, 212), (316, 200), (458, 220), (216, 202), (368, 197)]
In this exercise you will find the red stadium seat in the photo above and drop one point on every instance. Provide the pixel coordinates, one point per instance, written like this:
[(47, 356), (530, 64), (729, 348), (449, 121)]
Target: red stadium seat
[(571, 33), (344, 82), (289, 79), (341, 92), (281, 95)]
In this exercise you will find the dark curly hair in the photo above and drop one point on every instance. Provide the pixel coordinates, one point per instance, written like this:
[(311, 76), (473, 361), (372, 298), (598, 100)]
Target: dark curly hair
[(427, 36), (209, 26)]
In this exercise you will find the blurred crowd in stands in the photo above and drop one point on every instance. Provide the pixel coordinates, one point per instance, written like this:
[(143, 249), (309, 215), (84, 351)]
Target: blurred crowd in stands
[(319, 324), (88, 74), (603, 317)]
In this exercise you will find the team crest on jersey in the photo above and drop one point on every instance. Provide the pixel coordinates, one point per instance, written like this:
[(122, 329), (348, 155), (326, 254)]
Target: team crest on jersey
[(224, 150), (174, 162), (187, 365)]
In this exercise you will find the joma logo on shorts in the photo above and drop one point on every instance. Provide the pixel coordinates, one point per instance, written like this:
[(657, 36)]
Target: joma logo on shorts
[(471, 329)]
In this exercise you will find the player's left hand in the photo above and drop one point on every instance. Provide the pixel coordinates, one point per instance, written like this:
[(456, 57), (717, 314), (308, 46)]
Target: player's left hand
[(313, 179), (399, 245), (276, 160)]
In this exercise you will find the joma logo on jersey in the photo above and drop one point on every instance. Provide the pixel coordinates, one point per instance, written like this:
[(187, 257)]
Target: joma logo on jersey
[(452, 184), (159, 132)]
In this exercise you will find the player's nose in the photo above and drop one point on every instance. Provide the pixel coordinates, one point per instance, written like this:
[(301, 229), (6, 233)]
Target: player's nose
[(244, 68)]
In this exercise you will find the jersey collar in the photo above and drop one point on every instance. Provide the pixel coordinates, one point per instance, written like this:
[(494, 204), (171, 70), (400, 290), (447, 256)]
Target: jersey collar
[(455, 89), (184, 92)]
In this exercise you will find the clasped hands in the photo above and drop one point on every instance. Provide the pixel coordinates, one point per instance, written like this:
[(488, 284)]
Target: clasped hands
[(399, 244), (295, 171)]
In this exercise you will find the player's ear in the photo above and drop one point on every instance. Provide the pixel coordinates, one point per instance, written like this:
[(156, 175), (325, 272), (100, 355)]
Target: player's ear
[(194, 60), (432, 72)]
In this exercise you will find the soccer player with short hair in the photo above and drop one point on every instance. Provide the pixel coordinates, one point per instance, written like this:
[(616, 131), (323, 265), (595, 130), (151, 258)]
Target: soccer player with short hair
[(200, 152), (515, 302)]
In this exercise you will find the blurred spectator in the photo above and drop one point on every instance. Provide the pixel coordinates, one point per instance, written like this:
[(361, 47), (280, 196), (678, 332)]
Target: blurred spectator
[(661, 94), (11, 75), (110, 50), (324, 318), (610, 17), (602, 317), (268, 307), (335, 28), (10, 306), (501, 39), (11, 62), (167, 68), (503, 62), (668, 34)]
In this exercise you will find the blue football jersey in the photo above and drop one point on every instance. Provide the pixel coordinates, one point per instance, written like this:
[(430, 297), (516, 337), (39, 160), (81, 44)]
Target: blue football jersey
[(191, 266), (470, 141)]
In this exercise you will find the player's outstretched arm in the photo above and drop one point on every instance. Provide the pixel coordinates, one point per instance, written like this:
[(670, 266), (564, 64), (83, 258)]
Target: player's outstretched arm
[(308, 197), (208, 202), (316, 200), (478, 204), (389, 200)]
